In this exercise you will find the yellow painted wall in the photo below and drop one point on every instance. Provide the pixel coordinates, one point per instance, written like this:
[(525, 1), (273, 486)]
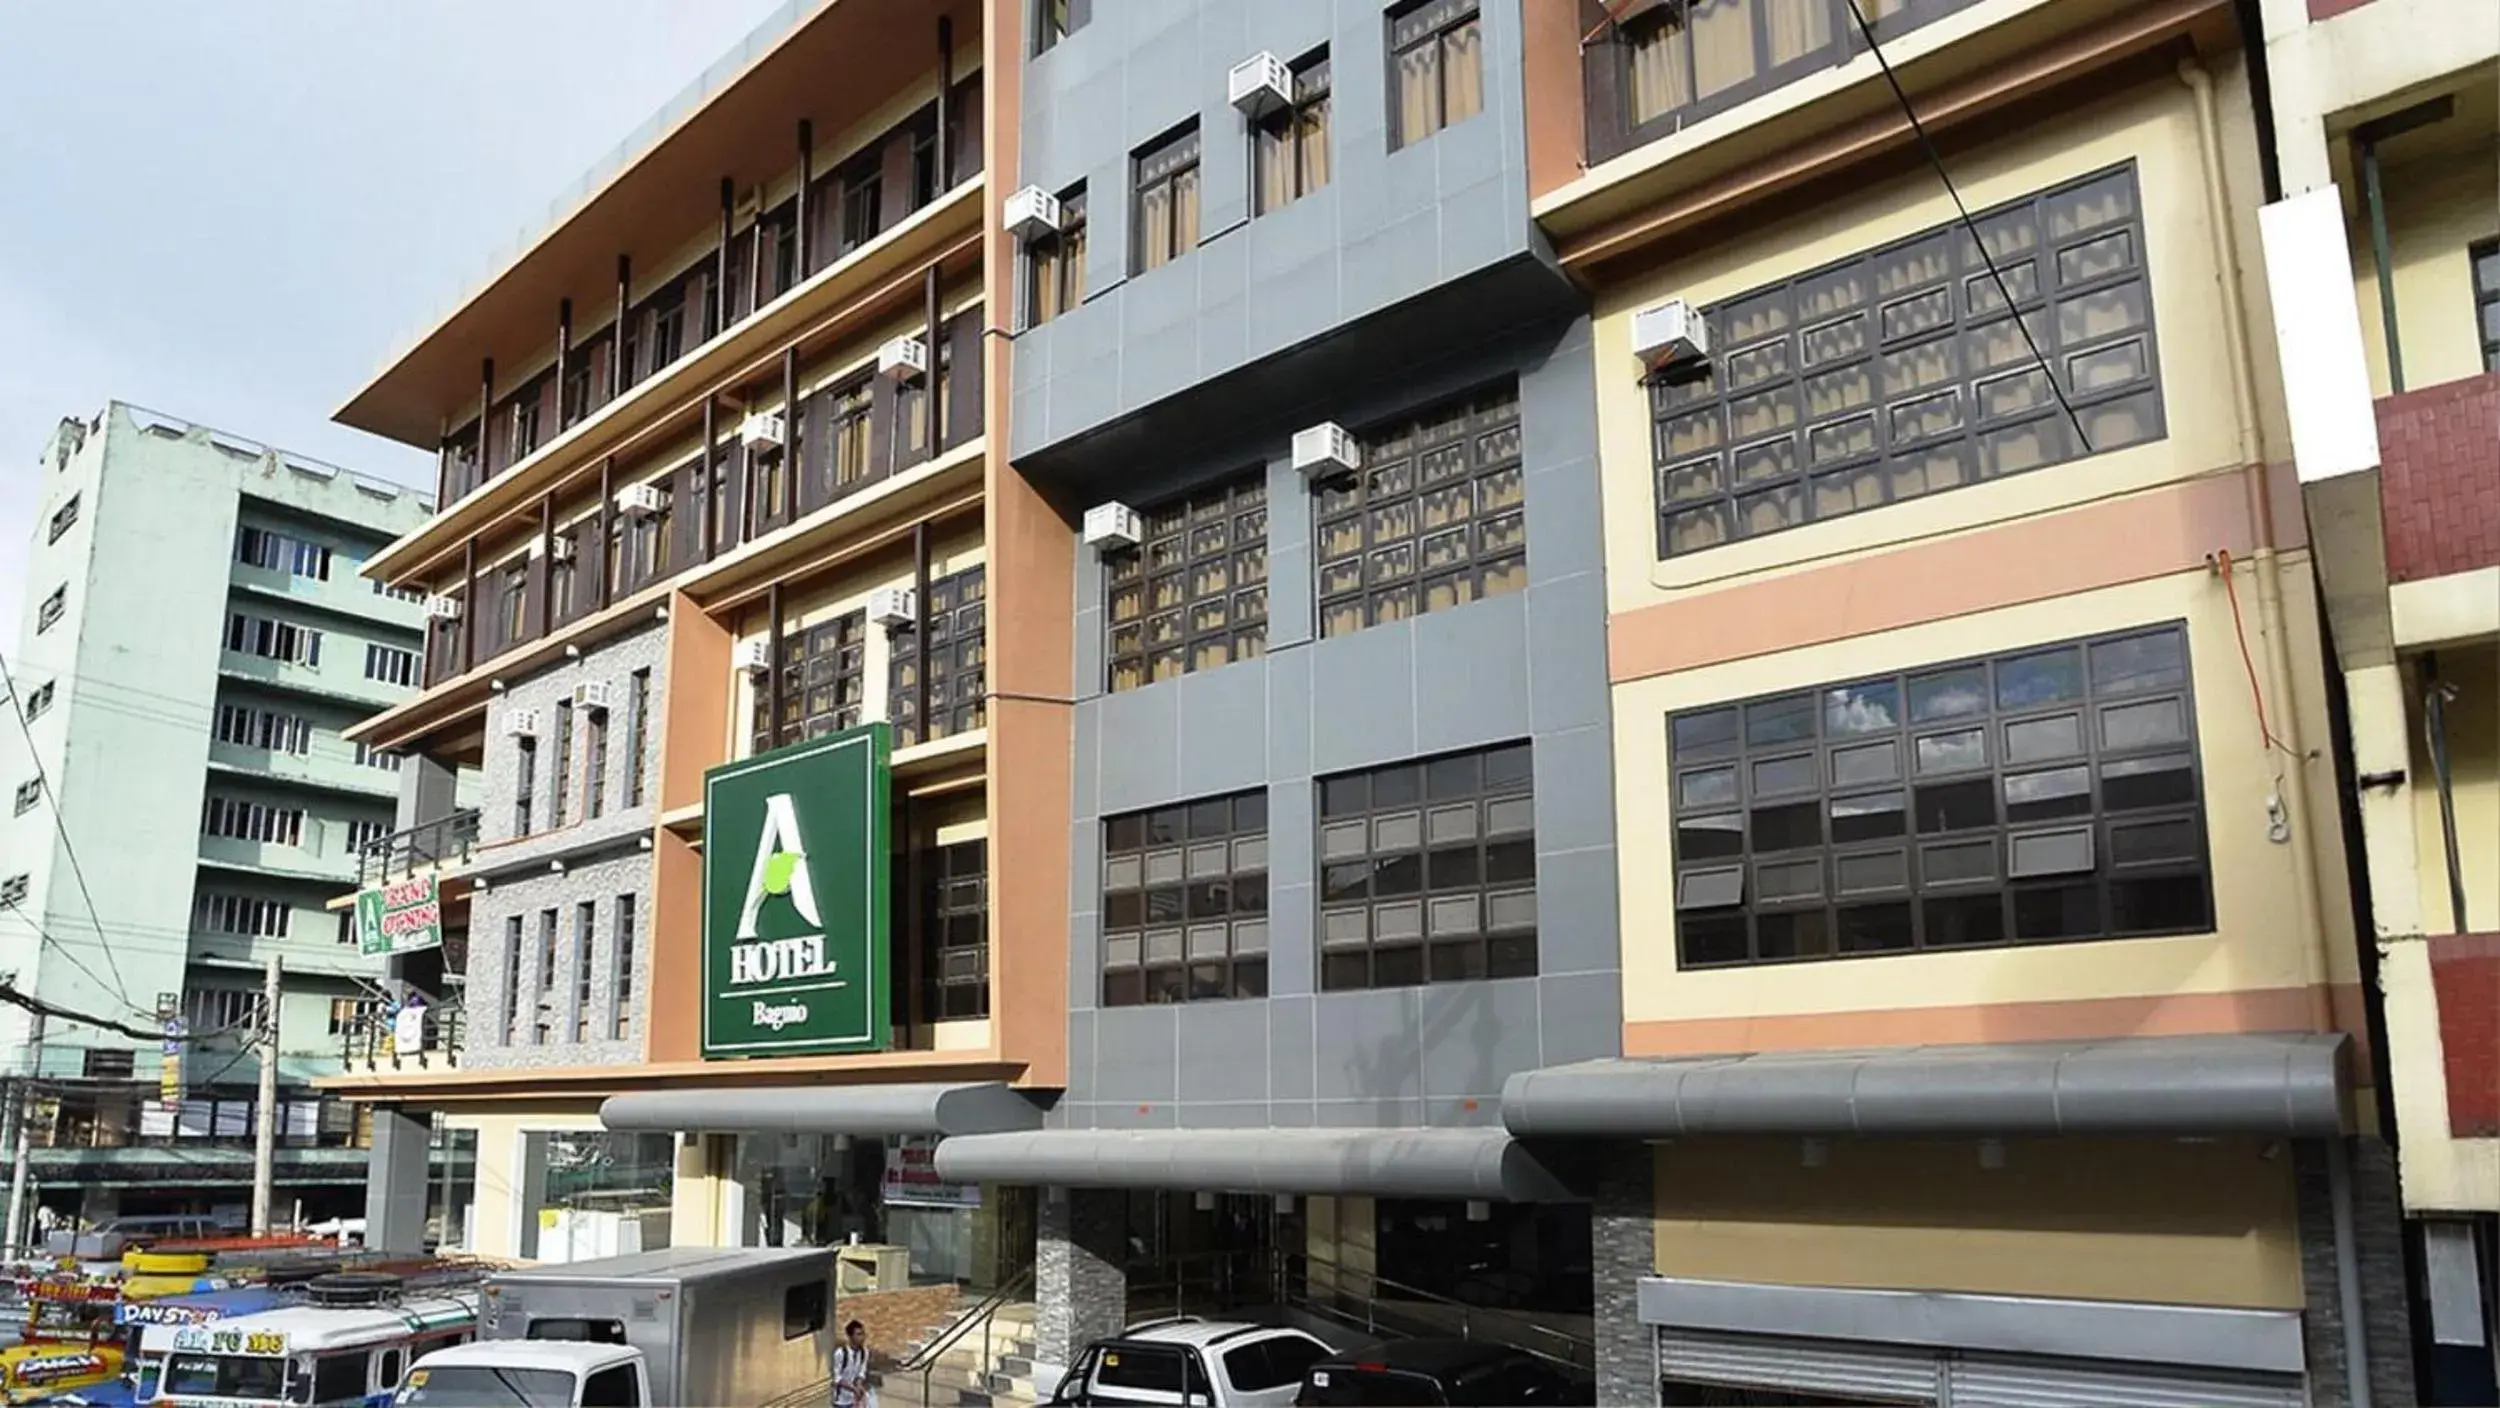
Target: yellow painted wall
[(2435, 209), (495, 1228), (2148, 1220), (2474, 764)]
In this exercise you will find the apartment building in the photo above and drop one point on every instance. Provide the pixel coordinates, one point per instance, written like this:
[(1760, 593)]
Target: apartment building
[(197, 642), (2382, 250)]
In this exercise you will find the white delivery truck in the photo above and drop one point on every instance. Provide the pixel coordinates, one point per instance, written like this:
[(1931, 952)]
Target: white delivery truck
[(683, 1325)]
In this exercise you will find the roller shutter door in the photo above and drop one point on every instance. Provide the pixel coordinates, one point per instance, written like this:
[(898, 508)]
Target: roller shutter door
[(1955, 1379)]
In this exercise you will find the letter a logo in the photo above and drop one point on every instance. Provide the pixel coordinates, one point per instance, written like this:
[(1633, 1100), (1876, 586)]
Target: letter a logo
[(780, 867)]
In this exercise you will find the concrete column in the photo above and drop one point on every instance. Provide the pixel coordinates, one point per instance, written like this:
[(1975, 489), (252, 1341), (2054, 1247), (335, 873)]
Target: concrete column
[(2377, 1233), (398, 1169), (1080, 1278), (1623, 1248), (426, 791)]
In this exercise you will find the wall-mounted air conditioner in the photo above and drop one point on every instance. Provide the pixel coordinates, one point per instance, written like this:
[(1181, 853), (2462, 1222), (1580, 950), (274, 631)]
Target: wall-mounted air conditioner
[(1670, 335), (591, 694), (565, 547), (1325, 451), (520, 723), (1112, 527), (641, 500), (762, 428), (443, 608), (891, 607), (755, 656), (1032, 213), (903, 358), (1259, 85)]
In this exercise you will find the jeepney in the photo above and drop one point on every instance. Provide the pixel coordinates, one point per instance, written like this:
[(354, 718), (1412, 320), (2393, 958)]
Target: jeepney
[(300, 1355)]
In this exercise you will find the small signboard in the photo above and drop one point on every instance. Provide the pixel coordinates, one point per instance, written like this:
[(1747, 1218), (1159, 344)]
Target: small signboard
[(408, 1030), (402, 916), (210, 1339), (169, 1069), (911, 1178)]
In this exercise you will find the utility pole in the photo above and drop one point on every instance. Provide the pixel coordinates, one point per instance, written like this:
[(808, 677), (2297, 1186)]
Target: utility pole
[(22, 1114), (265, 1110)]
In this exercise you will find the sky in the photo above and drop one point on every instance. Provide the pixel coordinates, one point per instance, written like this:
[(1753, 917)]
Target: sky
[(233, 212)]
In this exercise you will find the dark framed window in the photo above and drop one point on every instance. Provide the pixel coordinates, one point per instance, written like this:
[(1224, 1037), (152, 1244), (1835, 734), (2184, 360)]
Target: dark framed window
[(1291, 143), (2038, 795), (585, 917), (1054, 265), (863, 194), (621, 960), (29, 795), (1435, 518), (62, 519), (824, 681), (512, 981), (956, 615), (516, 597), (1428, 871), (1436, 68), (1164, 224), (595, 767), (1054, 20), (524, 783), (38, 700), (542, 1030), (1899, 373), (1184, 902), (1193, 595), (524, 424), (48, 615), (583, 385), (563, 778), (846, 458), (2486, 257), (956, 907), (637, 733), (389, 664)]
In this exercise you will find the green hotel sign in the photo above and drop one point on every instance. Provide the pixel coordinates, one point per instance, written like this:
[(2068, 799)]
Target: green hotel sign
[(399, 917), (795, 917)]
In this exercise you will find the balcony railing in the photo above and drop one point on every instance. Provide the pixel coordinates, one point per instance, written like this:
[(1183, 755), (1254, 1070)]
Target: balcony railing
[(371, 1043), (446, 841)]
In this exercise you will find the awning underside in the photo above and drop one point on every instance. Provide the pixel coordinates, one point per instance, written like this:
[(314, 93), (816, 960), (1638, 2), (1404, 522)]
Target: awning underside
[(1406, 1163), (873, 1111), (2280, 1086)]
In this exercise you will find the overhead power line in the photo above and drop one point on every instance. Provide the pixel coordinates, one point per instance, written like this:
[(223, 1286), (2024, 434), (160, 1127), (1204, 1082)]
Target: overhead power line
[(69, 847)]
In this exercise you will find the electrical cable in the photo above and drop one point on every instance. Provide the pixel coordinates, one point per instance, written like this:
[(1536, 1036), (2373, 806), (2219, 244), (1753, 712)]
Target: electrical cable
[(14, 998), (2265, 731), (68, 847)]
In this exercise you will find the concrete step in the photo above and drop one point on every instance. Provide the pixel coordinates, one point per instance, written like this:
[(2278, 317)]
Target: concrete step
[(909, 1391)]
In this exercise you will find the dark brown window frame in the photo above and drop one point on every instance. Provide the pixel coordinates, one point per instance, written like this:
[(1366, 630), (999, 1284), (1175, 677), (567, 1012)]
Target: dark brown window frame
[(2483, 259), (637, 734), (1362, 573), (957, 616), (1056, 263), (1292, 128), (955, 909), (1412, 26), (1217, 528), (1195, 870), (1700, 450), (1362, 846), (1718, 756), (824, 681), (1055, 20), (1169, 164)]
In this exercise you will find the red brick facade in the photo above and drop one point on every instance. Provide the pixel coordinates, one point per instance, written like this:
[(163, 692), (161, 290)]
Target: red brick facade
[(2439, 478), (2465, 974)]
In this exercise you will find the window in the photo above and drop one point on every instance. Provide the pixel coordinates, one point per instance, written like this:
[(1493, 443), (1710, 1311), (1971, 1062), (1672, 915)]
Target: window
[(275, 640), (581, 389), (524, 783), (362, 835), (1166, 218), (2486, 257), (1292, 142), (410, 594), (347, 1014), (13, 889), (847, 458), (97, 1064), (585, 915), (824, 681), (1428, 872), (1434, 519), (49, 614), (368, 756), (563, 776), (516, 600), (512, 980), (218, 1009), (1437, 53), (803, 1310), (62, 519), (1055, 264), (524, 428), (346, 927), (1277, 1362), (622, 988), (638, 724), (1054, 20), (667, 318), (246, 915), (1194, 595), (595, 767), (339, 1378), (1184, 902), (862, 193), (612, 1387), (29, 795), (958, 942), (958, 663), (253, 821), (38, 700), (1899, 373), (249, 727), (544, 1030), (2038, 795), (279, 552)]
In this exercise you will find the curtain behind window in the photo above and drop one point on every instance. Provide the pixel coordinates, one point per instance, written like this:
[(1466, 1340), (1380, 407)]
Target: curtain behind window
[(1462, 73), (1723, 47)]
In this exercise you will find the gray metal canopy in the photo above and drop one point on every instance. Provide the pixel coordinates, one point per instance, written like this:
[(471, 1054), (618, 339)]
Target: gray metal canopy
[(2282, 1086), (875, 1111), (1400, 1163)]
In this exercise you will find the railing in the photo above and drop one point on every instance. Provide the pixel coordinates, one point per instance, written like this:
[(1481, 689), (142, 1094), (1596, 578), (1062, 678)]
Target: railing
[(370, 1043), (445, 840), (1390, 1315), (984, 1314)]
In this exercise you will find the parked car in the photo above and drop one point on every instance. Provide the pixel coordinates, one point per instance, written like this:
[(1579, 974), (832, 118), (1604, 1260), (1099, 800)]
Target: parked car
[(1437, 1372), (1192, 1363)]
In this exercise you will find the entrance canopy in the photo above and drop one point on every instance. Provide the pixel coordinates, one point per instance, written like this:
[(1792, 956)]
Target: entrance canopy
[(873, 1111), (2280, 1086), (1481, 1164)]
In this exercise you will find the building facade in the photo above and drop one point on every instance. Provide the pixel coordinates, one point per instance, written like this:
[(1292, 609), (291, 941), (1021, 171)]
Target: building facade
[(198, 640)]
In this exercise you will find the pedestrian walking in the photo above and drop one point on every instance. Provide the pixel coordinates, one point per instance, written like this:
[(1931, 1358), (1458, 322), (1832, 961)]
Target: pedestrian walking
[(850, 1369)]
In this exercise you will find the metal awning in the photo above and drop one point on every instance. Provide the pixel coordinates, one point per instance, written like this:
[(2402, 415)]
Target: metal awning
[(1399, 1163), (2281, 1086), (876, 1111)]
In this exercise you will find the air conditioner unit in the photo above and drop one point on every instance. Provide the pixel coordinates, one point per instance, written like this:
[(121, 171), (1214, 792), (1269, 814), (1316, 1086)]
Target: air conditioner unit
[(1111, 527), (755, 656), (443, 608), (893, 606), (903, 358), (565, 547), (1032, 213), (1259, 85), (641, 500), (1326, 450), (762, 428), (520, 723), (591, 694), (1670, 334)]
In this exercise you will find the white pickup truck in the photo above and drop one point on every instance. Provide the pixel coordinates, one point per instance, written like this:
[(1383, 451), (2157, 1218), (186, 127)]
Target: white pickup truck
[(528, 1374)]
